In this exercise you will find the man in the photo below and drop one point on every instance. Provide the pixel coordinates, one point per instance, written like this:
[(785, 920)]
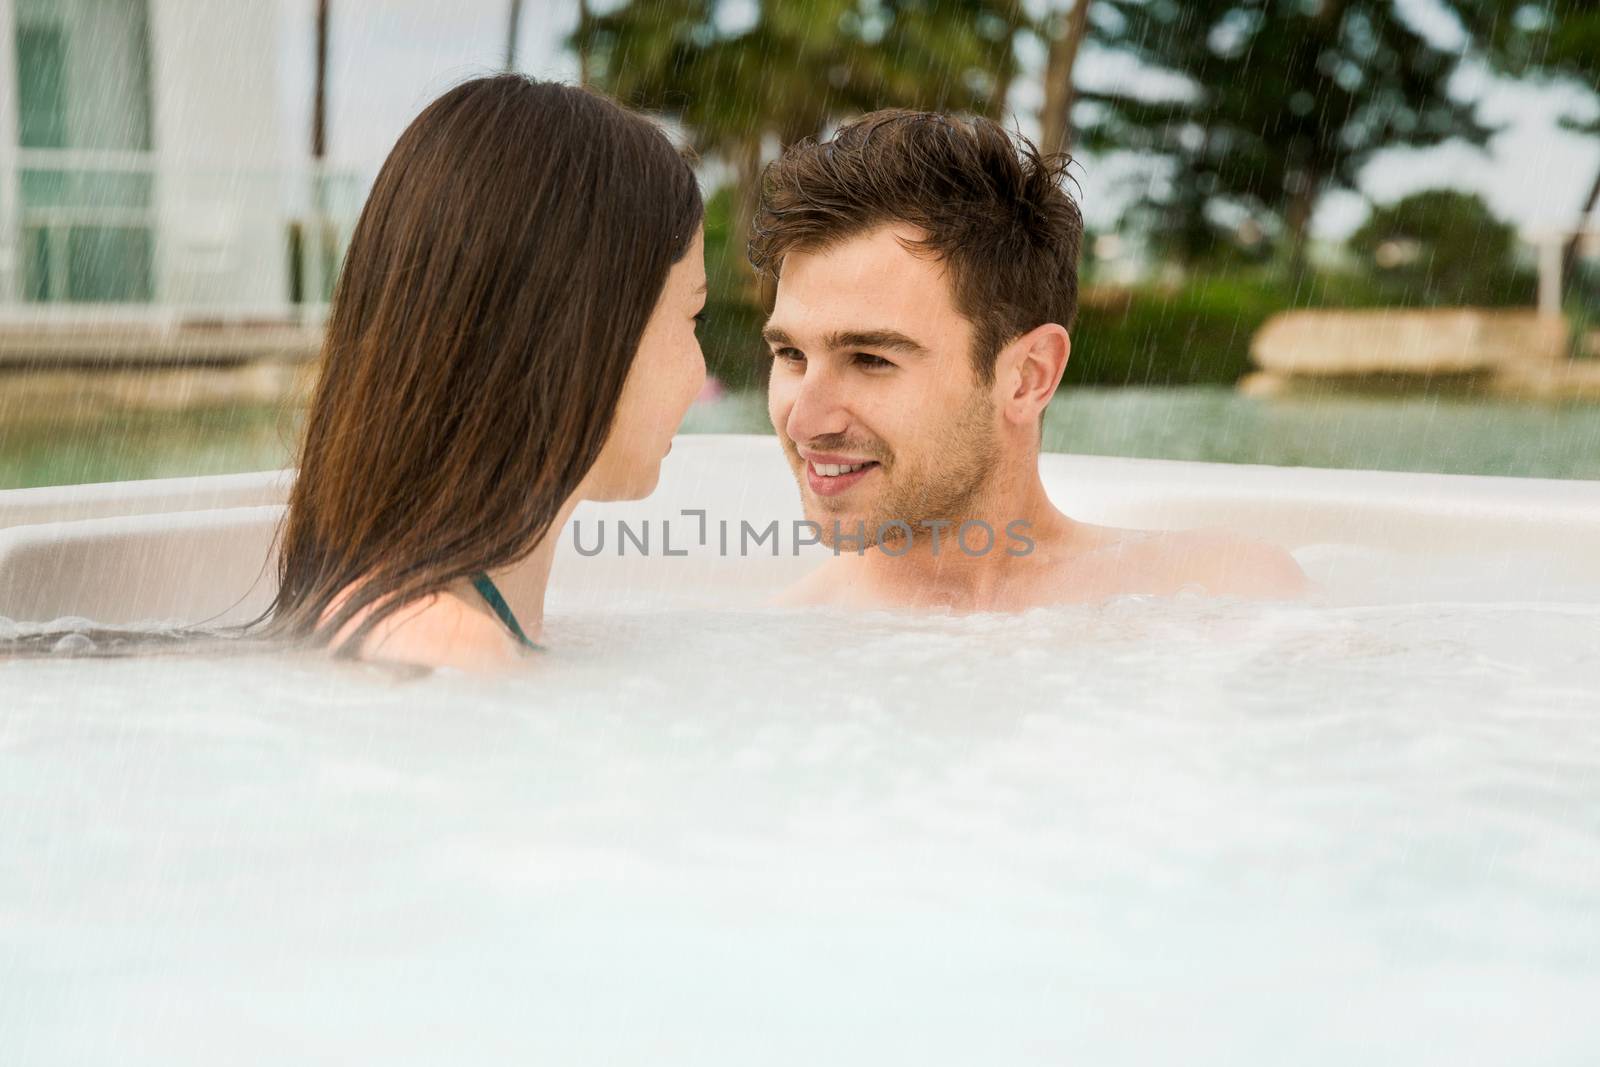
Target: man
[(926, 281)]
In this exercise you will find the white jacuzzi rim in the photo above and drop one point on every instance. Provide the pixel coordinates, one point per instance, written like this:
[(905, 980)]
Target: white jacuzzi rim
[(202, 549), (1140, 476)]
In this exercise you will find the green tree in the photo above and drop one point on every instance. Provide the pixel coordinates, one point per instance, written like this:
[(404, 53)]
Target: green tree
[(1064, 33), (1442, 248), (1284, 100), (743, 91), (1557, 39)]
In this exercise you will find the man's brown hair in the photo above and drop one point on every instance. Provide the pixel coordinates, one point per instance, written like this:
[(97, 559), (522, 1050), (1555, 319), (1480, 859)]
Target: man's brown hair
[(992, 209)]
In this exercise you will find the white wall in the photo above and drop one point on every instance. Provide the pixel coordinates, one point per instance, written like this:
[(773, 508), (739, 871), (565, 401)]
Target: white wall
[(10, 254), (225, 179)]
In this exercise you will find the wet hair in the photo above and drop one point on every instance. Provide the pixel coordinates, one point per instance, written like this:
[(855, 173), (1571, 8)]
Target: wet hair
[(486, 316), (991, 207)]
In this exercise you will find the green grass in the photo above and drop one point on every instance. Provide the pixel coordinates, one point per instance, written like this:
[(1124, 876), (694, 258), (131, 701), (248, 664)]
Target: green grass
[(1440, 434), (1452, 435), (1195, 334), (73, 449)]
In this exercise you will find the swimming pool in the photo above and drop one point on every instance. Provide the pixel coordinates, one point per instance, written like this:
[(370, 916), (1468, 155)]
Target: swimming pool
[(1358, 829), (1440, 434)]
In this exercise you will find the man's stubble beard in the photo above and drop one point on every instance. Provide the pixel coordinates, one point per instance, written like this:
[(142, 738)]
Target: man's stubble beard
[(946, 484)]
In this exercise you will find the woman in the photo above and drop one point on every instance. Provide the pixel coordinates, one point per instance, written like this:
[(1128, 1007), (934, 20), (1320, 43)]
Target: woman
[(512, 332)]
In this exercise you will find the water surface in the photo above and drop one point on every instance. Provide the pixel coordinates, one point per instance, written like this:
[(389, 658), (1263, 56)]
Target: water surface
[(1364, 830)]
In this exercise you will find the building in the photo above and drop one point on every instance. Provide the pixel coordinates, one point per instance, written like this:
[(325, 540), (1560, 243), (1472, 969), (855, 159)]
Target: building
[(144, 174)]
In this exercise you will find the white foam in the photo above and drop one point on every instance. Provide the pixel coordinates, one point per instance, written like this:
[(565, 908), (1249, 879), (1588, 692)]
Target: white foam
[(1140, 832)]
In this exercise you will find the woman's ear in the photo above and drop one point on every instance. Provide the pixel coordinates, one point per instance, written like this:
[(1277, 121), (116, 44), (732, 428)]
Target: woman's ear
[(1034, 363)]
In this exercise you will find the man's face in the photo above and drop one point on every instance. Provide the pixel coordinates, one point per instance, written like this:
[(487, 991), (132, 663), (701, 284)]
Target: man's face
[(873, 369)]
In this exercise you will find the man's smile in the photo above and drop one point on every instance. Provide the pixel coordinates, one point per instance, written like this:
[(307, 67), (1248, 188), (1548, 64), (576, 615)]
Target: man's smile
[(830, 475)]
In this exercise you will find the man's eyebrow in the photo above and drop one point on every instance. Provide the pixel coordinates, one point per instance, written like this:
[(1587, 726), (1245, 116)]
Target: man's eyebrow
[(888, 340), (891, 340)]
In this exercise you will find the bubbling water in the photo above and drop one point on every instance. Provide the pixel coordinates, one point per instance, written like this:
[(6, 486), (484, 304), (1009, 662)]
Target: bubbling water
[(1357, 829)]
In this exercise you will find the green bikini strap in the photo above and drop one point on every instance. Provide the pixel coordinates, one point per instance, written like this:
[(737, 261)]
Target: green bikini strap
[(497, 604)]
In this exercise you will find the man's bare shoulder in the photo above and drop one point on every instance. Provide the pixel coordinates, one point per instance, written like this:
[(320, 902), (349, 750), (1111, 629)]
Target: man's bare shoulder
[(1218, 562), (1100, 563), (819, 587)]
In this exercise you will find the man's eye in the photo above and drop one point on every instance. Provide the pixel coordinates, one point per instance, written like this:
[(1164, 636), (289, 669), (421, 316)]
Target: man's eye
[(871, 362), (789, 355)]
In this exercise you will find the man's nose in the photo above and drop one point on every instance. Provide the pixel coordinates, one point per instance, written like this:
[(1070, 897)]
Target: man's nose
[(819, 406)]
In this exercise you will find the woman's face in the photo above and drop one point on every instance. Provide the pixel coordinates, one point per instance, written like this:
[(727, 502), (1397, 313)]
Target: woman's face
[(668, 373)]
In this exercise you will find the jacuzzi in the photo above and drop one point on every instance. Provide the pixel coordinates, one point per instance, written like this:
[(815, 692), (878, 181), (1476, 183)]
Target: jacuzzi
[(193, 549), (1362, 828)]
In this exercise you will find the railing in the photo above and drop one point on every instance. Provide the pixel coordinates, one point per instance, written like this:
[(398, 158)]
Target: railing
[(1551, 246), (91, 229)]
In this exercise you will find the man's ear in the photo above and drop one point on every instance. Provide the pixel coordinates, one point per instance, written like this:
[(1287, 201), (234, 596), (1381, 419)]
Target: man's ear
[(1033, 365)]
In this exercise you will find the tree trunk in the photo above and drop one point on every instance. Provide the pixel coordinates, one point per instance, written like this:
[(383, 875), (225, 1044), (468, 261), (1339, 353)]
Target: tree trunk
[(316, 248), (513, 24), (1569, 254), (1005, 68), (1003, 78), (319, 92), (747, 194), (583, 42), (1297, 221), (1055, 118), (744, 285)]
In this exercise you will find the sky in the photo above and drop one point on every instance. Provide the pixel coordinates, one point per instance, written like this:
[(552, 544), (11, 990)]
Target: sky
[(388, 58)]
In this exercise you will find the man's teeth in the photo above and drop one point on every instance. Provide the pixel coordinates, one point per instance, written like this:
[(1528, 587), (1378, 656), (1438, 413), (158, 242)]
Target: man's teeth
[(833, 470)]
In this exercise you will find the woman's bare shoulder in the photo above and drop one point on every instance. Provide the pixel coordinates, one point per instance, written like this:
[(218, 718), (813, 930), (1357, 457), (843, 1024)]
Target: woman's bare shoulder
[(439, 631)]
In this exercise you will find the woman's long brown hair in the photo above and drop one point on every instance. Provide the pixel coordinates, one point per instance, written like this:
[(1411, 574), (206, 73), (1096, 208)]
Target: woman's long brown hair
[(488, 311)]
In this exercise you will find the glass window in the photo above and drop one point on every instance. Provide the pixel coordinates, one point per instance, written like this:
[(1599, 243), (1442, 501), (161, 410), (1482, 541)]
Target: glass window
[(83, 79), (41, 97), (83, 74)]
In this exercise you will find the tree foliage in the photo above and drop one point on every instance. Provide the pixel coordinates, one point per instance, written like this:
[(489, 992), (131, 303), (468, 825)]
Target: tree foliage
[(1282, 101), (1552, 38), (799, 65), (743, 90), (1442, 247), (1557, 39)]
